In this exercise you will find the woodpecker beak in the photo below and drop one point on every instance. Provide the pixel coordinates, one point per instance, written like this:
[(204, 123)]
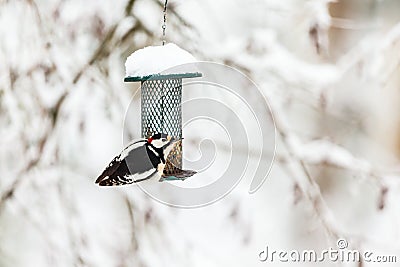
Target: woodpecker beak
[(174, 140)]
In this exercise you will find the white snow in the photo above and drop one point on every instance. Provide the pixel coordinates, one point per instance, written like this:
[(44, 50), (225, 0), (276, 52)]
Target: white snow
[(337, 112), (159, 59)]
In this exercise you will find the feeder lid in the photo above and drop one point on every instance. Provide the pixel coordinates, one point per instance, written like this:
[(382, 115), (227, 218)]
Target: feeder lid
[(160, 62), (162, 77)]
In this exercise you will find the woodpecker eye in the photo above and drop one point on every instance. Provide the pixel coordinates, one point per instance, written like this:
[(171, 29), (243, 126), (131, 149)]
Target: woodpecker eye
[(164, 139)]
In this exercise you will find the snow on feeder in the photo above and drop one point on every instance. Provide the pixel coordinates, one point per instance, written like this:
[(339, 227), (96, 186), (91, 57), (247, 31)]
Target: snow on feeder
[(161, 95)]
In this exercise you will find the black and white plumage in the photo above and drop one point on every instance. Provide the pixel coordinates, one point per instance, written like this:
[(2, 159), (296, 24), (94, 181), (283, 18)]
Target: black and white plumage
[(139, 161)]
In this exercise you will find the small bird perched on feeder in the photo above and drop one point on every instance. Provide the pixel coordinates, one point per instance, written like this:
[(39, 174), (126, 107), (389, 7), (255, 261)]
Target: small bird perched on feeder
[(139, 161)]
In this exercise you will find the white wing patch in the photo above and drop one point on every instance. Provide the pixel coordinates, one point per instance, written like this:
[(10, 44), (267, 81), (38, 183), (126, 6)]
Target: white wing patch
[(139, 176)]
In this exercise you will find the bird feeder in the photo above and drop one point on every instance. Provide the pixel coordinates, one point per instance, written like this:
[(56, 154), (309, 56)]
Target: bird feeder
[(161, 98)]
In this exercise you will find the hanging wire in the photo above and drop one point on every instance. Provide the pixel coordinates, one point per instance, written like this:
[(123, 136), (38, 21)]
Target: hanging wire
[(164, 26)]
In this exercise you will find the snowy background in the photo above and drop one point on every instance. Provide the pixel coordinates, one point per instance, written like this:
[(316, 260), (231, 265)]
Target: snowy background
[(331, 73)]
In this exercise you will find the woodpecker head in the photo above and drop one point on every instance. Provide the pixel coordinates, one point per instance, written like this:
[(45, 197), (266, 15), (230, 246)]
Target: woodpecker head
[(163, 142)]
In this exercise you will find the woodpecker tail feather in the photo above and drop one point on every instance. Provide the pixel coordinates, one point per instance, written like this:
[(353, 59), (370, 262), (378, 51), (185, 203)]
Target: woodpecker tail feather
[(111, 169), (115, 179)]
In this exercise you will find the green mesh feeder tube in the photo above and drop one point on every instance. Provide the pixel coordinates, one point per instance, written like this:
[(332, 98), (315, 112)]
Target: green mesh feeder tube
[(161, 112)]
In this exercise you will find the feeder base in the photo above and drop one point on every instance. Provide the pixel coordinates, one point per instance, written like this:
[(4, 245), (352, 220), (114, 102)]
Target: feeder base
[(180, 175)]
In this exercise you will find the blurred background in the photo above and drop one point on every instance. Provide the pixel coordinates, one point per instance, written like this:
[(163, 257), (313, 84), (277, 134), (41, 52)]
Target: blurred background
[(329, 69)]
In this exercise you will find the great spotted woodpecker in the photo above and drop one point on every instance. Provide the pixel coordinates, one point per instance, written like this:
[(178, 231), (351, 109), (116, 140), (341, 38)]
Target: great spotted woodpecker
[(139, 161)]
